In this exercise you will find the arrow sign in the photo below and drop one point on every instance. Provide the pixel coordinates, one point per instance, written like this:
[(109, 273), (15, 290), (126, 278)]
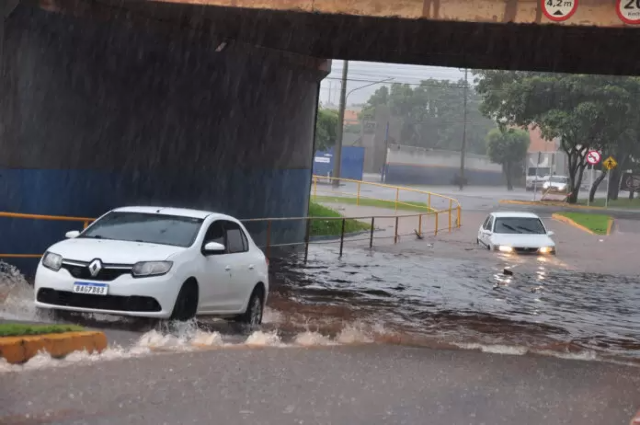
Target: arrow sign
[(593, 157), (559, 10)]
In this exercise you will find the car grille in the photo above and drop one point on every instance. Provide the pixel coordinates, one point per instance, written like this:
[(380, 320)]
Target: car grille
[(98, 302), (526, 250), (80, 270)]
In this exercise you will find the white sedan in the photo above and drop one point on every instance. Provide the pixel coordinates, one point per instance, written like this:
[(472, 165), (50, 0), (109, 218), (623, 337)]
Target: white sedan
[(157, 262), (517, 232)]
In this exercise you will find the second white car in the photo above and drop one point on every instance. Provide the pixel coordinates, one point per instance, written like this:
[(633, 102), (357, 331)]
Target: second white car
[(516, 232), (167, 263)]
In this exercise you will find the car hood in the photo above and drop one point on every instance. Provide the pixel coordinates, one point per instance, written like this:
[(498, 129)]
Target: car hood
[(523, 241), (110, 251)]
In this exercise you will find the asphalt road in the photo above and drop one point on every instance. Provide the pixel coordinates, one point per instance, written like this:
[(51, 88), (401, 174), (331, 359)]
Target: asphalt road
[(340, 385)]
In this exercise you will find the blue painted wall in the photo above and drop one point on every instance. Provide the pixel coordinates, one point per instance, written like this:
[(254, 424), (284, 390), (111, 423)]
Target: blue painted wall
[(426, 175), (351, 163), (99, 115)]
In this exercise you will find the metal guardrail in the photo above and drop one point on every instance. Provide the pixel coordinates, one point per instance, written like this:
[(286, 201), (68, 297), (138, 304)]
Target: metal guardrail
[(451, 221), (392, 200)]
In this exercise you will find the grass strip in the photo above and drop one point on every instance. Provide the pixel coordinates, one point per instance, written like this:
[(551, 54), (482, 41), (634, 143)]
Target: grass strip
[(24, 329), (332, 227), (597, 223)]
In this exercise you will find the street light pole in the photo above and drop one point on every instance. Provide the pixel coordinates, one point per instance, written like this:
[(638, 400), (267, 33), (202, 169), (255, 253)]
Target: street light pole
[(464, 132), (344, 96), (337, 151)]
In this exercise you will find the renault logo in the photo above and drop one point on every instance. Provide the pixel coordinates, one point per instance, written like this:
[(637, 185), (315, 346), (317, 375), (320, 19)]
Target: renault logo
[(95, 267)]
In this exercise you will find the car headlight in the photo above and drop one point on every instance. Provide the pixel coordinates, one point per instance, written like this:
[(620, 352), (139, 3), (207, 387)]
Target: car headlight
[(151, 268), (545, 250), (505, 249), (52, 261)]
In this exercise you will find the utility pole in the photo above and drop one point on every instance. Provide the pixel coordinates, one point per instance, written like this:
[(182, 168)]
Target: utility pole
[(464, 131), (337, 151)]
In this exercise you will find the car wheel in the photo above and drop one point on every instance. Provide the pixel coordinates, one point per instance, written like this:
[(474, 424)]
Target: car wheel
[(255, 309), (187, 302), (490, 247)]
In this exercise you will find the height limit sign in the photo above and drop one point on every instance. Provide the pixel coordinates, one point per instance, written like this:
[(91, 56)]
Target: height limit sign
[(559, 10)]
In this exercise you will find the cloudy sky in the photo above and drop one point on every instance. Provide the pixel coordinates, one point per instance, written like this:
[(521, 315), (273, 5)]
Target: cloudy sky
[(364, 73)]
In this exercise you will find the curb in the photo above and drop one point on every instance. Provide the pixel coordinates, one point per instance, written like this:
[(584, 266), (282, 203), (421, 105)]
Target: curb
[(19, 349), (570, 222), (550, 204)]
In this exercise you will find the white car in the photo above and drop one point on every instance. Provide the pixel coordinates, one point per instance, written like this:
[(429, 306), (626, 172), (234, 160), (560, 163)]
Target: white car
[(516, 232), (557, 183), (157, 262)]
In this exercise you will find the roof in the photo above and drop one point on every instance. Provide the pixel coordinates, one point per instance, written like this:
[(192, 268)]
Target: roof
[(179, 212), (514, 214), (538, 144)]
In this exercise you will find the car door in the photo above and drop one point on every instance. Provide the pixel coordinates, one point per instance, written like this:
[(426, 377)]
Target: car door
[(216, 279), (485, 232), (242, 266), (482, 230)]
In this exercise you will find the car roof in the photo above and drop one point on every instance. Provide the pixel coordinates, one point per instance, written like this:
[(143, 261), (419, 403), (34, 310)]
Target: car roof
[(514, 214), (178, 212)]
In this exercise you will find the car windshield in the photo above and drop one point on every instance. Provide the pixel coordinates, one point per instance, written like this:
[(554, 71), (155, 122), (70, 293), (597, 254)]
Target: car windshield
[(519, 225), (557, 179), (148, 228)]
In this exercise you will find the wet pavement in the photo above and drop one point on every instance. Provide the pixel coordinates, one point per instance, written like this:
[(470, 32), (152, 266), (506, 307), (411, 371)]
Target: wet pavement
[(441, 293), (377, 384)]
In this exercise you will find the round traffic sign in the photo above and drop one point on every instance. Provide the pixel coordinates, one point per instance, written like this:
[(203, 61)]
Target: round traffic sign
[(560, 10), (593, 157), (628, 11)]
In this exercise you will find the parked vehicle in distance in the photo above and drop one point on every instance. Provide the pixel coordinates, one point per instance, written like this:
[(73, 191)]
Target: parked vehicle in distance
[(516, 232), (168, 263), (557, 183)]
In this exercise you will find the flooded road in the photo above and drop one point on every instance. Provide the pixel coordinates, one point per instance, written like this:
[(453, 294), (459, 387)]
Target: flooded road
[(501, 304), (533, 304)]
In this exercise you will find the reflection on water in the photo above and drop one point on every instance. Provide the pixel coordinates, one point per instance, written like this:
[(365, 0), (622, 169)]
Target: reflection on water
[(509, 300)]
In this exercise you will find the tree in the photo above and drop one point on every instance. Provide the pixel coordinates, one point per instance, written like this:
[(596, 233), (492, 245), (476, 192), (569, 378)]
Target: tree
[(432, 114), (584, 111), (508, 147), (326, 129)]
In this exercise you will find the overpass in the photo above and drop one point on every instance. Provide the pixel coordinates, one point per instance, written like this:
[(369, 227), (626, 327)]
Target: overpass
[(211, 103)]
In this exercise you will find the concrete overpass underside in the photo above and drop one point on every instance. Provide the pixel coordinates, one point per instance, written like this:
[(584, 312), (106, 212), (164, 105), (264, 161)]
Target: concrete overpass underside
[(211, 104)]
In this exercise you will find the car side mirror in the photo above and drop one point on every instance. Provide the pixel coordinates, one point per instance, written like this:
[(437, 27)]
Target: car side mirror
[(550, 233), (72, 234), (213, 248)]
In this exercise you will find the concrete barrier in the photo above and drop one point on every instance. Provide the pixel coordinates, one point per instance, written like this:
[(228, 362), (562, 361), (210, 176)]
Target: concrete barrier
[(22, 348)]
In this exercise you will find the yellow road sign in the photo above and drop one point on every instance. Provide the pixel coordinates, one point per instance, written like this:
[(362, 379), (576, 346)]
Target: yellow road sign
[(609, 163)]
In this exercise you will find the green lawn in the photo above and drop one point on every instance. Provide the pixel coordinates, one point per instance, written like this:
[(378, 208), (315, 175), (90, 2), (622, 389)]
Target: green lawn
[(618, 203), (22, 329), (380, 203), (332, 227), (597, 223)]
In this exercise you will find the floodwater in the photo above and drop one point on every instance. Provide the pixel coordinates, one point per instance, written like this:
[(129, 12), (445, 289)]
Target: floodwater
[(508, 305)]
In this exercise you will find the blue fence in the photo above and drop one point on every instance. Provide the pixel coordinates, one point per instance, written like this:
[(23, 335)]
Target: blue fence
[(351, 164)]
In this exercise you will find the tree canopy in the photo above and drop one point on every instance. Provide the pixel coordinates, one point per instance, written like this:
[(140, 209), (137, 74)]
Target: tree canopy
[(326, 129), (584, 111), (433, 114), (508, 147)]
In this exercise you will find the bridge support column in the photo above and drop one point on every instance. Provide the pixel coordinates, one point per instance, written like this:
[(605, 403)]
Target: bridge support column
[(100, 114)]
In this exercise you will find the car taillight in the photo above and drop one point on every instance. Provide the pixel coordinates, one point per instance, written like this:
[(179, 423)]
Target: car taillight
[(266, 260)]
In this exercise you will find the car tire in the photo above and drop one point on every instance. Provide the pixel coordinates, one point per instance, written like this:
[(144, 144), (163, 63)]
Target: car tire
[(186, 305), (255, 308)]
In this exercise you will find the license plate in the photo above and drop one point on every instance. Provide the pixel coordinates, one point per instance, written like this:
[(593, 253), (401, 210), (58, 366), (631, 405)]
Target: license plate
[(91, 288)]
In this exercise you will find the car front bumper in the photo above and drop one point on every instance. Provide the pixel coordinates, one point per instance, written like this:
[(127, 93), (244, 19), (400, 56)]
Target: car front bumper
[(525, 250), (152, 297)]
